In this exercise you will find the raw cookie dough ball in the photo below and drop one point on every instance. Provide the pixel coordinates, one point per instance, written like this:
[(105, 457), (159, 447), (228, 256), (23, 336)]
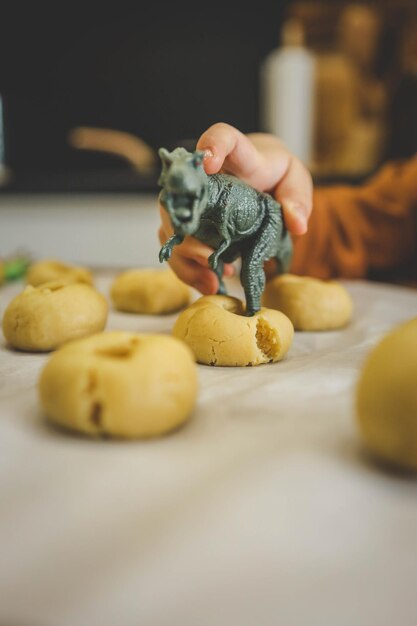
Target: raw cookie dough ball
[(218, 332), (49, 269), (43, 318), (310, 303), (386, 398), (149, 291), (120, 384)]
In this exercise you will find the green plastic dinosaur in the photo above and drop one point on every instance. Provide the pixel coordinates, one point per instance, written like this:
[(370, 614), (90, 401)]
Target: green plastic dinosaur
[(228, 215)]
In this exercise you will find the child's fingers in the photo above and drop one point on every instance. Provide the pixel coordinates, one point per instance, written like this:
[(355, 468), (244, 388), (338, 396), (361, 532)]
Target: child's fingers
[(265, 163), (191, 272), (191, 248), (229, 270), (295, 193), (191, 268), (270, 268), (228, 148)]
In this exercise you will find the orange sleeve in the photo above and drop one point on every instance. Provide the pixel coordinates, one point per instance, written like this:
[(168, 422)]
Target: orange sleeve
[(354, 230)]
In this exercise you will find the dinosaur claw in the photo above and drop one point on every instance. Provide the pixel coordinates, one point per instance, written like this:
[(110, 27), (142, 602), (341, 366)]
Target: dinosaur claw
[(164, 254), (213, 261)]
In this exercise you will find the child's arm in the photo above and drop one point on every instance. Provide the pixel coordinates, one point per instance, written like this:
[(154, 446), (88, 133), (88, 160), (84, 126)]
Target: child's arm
[(354, 230), (262, 161)]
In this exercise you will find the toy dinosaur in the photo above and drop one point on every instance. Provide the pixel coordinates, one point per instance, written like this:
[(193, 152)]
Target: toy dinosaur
[(228, 215)]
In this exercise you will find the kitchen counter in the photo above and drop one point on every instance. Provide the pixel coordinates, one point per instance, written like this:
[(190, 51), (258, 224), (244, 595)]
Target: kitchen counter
[(101, 230)]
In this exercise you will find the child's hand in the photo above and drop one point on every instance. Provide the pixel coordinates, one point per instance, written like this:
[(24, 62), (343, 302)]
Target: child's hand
[(260, 160)]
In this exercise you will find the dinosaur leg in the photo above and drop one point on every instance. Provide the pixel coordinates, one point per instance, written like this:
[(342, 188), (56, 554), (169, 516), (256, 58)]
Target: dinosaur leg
[(252, 277), (277, 240), (219, 273), (284, 255), (214, 258), (230, 255)]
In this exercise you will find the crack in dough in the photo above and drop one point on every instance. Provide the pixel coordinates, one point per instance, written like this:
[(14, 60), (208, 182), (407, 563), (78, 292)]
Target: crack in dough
[(214, 356), (91, 382), (96, 415), (119, 350), (267, 339)]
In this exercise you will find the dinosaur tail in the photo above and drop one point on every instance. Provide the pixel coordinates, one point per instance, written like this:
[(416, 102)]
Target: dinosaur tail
[(284, 248)]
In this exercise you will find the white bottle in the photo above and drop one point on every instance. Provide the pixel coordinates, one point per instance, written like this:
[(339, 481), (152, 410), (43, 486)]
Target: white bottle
[(287, 92)]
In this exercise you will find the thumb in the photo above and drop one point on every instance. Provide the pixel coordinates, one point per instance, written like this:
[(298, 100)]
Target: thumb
[(295, 193)]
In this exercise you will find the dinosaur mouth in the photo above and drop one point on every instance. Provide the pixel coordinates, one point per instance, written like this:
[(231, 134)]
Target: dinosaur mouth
[(183, 208), (184, 216)]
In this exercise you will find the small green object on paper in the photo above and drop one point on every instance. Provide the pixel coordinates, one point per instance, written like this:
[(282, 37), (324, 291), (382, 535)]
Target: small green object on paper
[(14, 269)]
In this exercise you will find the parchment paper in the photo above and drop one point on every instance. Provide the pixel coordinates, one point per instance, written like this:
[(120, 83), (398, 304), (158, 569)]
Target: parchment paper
[(263, 510)]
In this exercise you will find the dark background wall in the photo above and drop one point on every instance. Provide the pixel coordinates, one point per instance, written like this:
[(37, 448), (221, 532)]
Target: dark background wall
[(164, 71)]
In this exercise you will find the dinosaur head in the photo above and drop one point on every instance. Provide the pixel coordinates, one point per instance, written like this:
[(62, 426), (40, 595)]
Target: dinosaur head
[(184, 182)]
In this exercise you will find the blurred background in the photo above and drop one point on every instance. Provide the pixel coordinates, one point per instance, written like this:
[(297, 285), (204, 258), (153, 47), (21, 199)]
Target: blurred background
[(160, 74)]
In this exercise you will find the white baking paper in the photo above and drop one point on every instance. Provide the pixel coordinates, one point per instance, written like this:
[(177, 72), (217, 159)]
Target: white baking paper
[(263, 510)]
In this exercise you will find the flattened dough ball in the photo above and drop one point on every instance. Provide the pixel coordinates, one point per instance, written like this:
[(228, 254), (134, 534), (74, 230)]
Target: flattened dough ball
[(386, 398), (310, 303), (153, 292), (50, 269), (218, 333), (45, 317), (120, 384)]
